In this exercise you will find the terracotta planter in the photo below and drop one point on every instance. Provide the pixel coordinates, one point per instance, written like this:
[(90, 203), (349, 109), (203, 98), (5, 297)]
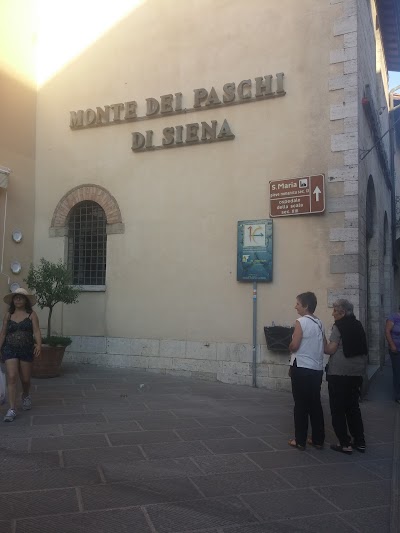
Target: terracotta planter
[(48, 365)]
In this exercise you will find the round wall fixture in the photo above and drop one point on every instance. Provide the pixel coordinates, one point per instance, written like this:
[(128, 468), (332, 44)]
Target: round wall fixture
[(16, 267), (14, 286), (17, 235)]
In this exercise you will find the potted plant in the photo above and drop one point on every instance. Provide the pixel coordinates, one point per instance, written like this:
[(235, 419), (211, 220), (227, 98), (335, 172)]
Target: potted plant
[(52, 284), (278, 338)]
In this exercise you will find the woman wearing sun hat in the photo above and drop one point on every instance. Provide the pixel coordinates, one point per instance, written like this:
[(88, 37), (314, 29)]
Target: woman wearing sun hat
[(20, 326)]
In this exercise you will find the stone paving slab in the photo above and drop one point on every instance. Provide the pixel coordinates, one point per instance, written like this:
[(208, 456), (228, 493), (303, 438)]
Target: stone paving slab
[(6, 526), (59, 410), (14, 444), (11, 461), (143, 437), (145, 470), (218, 464), (99, 427), (168, 518), (98, 456), (164, 450), (219, 432), (236, 445), (55, 478), (66, 419), (287, 504), (280, 459), (259, 430), (117, 495), (117, 521), (158, 422), (369, 520), (218, 485), (357, 496), (46, 444), (382, 468), (115, 450), (321, 475), (327, 523), (226, 420), (38, 503)]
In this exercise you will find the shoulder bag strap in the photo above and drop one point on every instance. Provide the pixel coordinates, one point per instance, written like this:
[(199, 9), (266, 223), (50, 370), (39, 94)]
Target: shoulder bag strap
[(315, 322)]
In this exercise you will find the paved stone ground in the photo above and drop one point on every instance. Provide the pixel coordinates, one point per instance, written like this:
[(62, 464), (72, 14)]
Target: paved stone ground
[(115, 450)]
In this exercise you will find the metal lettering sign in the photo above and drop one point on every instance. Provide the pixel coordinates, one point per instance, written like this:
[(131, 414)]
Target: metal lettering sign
[(254, 251), (297, 196)]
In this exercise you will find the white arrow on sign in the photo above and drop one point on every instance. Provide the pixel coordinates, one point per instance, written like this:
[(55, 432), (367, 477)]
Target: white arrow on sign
[(317, 191)]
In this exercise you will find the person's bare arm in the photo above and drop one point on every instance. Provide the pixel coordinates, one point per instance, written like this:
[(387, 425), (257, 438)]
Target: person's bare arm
[(36, 334), (388, 335), (330, 347), (296, 338)]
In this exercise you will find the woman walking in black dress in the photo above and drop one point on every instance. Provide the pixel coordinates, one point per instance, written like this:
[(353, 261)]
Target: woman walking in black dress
[(20, 326)]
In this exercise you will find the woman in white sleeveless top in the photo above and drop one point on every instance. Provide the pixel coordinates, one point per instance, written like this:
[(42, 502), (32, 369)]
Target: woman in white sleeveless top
[(306, 372)]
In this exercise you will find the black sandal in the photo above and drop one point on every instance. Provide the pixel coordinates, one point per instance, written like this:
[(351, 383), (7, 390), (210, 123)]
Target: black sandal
[(341, 449)]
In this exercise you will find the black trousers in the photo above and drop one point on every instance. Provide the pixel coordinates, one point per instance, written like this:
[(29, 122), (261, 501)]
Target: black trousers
[(344, 394), (306, 389)]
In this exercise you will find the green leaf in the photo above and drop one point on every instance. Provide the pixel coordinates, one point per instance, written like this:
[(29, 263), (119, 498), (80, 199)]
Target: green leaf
[(52, 284), (57, 341)]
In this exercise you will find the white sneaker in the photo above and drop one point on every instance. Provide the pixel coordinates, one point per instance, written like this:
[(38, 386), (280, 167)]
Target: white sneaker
[(26, 403), (10, 416)]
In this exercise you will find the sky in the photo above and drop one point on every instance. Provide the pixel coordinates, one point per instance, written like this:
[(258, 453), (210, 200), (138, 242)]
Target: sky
[(394, 79)]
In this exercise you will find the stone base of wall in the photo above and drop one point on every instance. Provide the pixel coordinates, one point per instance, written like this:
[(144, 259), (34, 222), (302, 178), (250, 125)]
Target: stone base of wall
[(225, 362), (218, 361)]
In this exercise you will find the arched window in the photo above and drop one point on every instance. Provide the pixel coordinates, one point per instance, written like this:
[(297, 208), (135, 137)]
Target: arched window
[(87, 244)]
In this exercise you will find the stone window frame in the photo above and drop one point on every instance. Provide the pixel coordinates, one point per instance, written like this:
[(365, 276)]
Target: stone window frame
[(81, 193)]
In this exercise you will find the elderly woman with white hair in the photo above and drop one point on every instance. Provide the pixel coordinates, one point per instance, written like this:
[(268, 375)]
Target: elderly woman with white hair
[(348, 349)]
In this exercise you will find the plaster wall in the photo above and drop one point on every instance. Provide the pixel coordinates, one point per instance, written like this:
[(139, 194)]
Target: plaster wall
[(172, 274), (17, 137)]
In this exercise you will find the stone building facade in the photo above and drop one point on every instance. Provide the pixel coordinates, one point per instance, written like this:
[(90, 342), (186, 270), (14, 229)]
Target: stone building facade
[(107, 125), (367, 258)]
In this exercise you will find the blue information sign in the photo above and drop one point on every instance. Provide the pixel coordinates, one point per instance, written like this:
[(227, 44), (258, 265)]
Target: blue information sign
[(254, 251)]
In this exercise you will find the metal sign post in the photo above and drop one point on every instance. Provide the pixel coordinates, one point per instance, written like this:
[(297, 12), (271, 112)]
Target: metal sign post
[(254, 263), (254, 333)]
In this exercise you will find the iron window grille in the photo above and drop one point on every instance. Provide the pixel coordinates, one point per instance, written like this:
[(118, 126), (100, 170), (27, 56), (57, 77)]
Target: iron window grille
[(87, 244)]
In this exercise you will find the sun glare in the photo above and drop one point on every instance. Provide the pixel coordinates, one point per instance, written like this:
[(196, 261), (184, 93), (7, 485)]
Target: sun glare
[(39, 37), (17, 40), (66, 28)]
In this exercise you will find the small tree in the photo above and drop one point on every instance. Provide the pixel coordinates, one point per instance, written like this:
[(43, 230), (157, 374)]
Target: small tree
[(52, 284)]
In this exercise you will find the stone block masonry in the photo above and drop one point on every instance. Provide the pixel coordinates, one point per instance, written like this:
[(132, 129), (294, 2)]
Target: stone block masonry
[(344, 61), (215, 361)]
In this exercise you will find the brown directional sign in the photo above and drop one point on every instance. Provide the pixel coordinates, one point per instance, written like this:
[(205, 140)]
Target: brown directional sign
[(297, 196)]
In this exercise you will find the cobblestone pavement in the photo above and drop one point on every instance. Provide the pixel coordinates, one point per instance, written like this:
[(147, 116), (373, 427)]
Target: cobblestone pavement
[(119, 450)]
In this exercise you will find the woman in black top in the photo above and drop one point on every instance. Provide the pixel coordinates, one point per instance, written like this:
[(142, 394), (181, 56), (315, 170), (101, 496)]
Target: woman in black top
[(20, 326), (348, 350)]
